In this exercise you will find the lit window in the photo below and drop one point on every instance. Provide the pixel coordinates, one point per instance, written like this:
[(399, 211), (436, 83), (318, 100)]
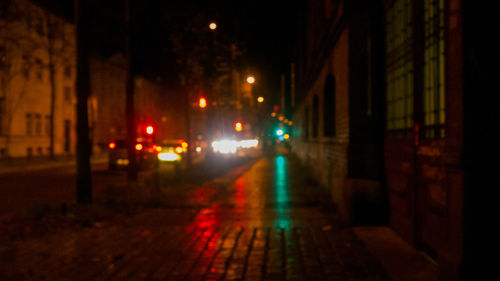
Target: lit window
[(434, 63), (399, 71)]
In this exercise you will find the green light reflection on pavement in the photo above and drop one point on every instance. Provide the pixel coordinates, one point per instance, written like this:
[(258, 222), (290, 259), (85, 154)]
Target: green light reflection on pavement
[(281, 194)]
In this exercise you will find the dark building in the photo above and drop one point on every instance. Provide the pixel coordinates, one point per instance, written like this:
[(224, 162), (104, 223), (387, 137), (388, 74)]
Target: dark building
[(392, 102)]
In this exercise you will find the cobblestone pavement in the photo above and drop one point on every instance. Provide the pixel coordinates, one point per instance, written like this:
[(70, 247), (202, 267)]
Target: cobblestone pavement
[(266, 225)]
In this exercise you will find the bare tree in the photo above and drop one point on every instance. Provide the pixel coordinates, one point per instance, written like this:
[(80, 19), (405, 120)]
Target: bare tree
[(16, 49), (59, 46)]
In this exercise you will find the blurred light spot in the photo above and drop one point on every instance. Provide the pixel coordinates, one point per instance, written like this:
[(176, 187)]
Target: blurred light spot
[(225, 146), (248, 143), (168, 156)]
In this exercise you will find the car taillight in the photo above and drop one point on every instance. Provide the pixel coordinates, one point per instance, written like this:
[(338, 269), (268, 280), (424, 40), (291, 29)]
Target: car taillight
[(112, 145), (178, 149)]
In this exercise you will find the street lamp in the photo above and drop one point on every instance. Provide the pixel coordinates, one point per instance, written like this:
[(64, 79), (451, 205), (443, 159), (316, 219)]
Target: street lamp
[(212, 25), (260, 99), (202, 103), (250, 79)]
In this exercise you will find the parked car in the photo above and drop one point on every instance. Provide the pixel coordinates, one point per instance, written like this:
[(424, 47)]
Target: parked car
[(118, 155)]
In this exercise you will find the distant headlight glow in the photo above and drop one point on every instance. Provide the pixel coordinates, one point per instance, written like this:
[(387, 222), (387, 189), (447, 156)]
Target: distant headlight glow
[(248, 143), (168, 156), (225, 146)]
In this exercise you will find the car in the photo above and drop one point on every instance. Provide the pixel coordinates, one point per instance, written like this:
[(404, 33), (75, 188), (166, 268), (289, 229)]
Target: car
[(118, 155), (171, 153)]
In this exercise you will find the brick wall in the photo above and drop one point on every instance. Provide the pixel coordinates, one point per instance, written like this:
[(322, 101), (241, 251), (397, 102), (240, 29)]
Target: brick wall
[(327, 156)]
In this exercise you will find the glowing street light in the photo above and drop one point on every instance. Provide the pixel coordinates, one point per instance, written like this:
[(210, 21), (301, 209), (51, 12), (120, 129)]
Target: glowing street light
[(212, 25), (250, 79), (238, 126), (260, 99), (203, 103), (149, 130)]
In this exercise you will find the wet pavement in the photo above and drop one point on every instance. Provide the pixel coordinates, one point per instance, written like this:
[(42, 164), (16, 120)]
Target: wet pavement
[(262, 221)]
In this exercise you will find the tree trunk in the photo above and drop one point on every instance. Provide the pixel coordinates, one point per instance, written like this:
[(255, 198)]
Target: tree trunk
[(84, 176)]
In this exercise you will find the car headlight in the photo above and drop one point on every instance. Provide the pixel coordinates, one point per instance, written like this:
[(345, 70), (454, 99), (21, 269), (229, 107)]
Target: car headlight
[(168, 156)]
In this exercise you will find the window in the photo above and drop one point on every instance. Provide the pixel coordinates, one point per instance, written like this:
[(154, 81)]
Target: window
[(39, 26), (29, 124), (315, 118), (3, 58), (329, 107), (67, 71), (67, 94), (306, 123), (26, 67), (47, 125), (2, 110), (39, 69), (399, 67), (38, 124), (27, 21), (434, 69)]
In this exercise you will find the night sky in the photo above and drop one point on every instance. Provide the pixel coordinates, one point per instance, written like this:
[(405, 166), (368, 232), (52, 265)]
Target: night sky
[(265, 29)]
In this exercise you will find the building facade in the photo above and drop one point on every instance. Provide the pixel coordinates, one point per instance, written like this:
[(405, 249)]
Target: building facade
[(384, 114), (38, 95), (37, 81)]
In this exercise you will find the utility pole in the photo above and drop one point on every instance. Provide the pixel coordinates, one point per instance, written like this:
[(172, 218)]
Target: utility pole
[(129, 99), (292, 85), (83, 174), (283, 94)]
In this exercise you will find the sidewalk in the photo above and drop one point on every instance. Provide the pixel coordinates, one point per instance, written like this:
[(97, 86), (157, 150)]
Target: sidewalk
[(400, 260), (244, 225), (40, 163)]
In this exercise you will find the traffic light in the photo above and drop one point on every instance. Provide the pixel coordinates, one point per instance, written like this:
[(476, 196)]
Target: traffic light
[(238, 126), (202, 103)]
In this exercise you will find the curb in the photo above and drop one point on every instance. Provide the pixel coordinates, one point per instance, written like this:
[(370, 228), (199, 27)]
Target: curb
[(49, 164)]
